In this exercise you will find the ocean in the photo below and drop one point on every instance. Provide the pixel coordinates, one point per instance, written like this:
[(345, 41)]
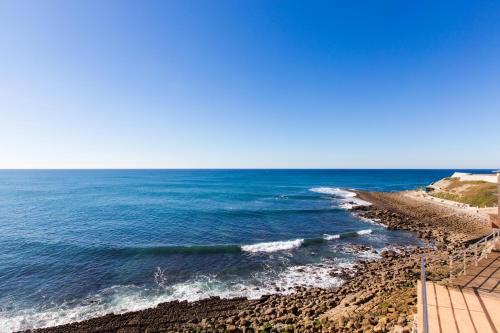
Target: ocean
[(76, 244)]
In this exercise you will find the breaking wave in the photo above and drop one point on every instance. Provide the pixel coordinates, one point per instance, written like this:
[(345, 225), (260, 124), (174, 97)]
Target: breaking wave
[(272, 246), (354, 202), (335, 191), (373, 221), (364, 232), (348, 234), (348, 199), (124, 298), (331, 237)]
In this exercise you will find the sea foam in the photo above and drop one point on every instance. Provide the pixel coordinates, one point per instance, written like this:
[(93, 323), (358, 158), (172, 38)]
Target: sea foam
[(296, 243), (371, 221), (273, 246), (348, 234), (354, 202), (331, 237), (123, 298), (333, 191), (364, 232), (347, 198)]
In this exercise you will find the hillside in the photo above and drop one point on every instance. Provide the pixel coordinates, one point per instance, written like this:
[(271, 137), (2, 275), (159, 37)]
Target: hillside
[(474, 193)]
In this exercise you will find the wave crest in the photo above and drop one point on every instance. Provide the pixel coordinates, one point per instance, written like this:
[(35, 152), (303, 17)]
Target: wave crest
[(347, 198), (348, 234), (364, 232), (331, 237), (273, 246), (335, 191), (124, 298)]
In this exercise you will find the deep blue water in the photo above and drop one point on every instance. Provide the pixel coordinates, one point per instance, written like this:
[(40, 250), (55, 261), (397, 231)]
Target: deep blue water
[(81, 243)]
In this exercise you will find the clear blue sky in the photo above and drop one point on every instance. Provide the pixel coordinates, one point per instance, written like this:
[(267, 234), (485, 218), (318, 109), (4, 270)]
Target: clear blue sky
[(243, 84)]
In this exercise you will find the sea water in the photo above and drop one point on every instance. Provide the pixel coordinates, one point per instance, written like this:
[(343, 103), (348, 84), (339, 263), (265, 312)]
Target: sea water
[(76, 244)]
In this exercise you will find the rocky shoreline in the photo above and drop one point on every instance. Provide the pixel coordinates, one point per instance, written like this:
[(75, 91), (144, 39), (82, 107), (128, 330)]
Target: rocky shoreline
[(378, 296)]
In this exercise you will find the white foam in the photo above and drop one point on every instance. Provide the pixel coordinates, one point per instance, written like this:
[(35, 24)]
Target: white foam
[(347, 198), (273, 246), (371, 221), (333, 191), (347, 205), (364, 232), (308, 276), (118, 299), (331, 237), (369, 255), (354, 202), (124, 298)]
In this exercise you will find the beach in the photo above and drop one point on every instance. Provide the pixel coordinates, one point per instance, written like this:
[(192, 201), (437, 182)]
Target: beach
[(377, 295)]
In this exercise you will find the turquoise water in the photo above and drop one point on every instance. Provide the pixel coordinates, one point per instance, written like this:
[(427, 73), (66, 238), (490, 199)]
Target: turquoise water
[(78, 244)]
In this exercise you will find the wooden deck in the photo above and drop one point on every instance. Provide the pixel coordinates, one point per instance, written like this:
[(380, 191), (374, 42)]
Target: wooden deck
[(471, 303), (485, 277)]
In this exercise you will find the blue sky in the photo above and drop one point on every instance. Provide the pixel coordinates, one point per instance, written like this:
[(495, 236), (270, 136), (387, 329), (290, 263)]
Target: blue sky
[(249, 84)]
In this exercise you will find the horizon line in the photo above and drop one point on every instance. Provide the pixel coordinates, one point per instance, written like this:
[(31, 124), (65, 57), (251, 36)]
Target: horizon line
[(258, 168)]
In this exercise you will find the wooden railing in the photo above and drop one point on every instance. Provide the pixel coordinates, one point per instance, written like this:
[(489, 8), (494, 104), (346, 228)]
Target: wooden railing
[(472, 254)]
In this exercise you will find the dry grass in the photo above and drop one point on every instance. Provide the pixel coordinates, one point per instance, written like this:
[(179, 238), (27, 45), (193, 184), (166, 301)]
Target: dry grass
[(475, 193)]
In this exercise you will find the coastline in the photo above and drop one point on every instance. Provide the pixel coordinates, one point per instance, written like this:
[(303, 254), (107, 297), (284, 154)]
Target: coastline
[(429, 218), (378, 295)]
